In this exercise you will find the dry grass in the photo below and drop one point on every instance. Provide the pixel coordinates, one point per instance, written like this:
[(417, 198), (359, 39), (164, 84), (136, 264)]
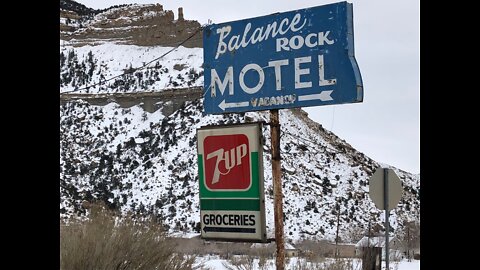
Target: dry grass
[(107, 242)]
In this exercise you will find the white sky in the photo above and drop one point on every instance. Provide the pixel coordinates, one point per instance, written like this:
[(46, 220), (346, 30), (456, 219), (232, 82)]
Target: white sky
[(386, 125)]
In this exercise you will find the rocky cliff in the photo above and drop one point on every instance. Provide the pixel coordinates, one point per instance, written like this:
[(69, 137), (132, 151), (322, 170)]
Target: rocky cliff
[(142, 25)]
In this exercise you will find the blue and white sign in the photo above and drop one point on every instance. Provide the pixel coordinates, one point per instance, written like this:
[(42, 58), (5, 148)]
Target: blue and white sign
[(293, 59)]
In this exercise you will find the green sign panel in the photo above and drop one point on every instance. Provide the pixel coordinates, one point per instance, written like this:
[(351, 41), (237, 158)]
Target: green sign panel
[(230, 168)]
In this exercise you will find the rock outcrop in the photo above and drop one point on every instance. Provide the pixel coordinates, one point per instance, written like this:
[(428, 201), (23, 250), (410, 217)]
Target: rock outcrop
[(142, 25)]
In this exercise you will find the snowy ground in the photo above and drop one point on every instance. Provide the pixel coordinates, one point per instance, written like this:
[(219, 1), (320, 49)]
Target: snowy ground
[(216, 263)]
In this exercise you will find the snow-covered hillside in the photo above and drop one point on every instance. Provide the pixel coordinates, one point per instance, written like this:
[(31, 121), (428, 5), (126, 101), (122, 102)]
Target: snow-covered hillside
[(88, 65), (147, 162)]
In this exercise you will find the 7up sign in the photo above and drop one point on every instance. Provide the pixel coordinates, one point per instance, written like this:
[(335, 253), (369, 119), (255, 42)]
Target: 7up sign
[(224, 160), (230, 166)]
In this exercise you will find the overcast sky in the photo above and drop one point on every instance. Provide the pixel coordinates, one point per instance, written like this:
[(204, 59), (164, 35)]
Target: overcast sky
[(386, 125)]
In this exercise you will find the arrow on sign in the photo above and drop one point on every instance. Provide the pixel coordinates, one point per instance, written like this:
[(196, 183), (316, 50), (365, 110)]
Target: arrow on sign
[(223, 105), (323, 96), (226, 229)]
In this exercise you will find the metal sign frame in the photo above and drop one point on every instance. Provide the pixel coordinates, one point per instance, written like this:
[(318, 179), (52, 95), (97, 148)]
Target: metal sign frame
[(231, 208)]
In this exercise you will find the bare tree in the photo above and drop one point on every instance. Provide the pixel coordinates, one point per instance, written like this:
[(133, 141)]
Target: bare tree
[(410, 237)]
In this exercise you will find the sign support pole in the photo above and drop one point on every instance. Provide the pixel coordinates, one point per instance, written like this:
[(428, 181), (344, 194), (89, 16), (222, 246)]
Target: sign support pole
[(387, 223), (277, 188)]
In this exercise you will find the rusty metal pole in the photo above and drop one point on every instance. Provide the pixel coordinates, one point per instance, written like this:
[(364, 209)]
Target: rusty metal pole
[(277, 189)]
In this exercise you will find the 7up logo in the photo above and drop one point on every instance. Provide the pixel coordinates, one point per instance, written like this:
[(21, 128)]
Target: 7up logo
[(227, 162)]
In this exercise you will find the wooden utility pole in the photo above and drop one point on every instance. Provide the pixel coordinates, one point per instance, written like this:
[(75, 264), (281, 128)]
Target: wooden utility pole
[(277, 189), (408, 241), (338, 226)]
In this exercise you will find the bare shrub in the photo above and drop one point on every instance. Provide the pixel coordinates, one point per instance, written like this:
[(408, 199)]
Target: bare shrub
[(354, 234), (340, 264), (243, 262), (337, 264), (105, 241), (263, 255), (303, 264), (179, 67), (314, 249)]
